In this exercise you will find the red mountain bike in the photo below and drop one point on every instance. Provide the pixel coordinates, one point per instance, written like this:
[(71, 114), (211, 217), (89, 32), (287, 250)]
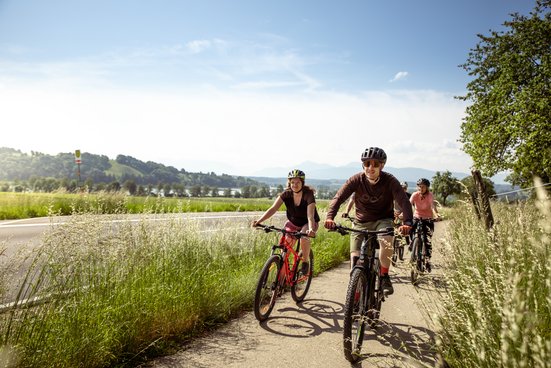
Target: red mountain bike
[(282, 270)]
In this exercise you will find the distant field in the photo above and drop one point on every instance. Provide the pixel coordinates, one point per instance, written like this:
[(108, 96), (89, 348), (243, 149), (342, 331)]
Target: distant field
[(27, 205)]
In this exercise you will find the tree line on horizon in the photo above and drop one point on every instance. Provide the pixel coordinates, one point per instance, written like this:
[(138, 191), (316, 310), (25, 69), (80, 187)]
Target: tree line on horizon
[(41, 172)]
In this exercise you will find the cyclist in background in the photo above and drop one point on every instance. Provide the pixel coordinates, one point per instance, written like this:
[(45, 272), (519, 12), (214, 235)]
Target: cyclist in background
[(423, 202), (302, 214), (374, 194)]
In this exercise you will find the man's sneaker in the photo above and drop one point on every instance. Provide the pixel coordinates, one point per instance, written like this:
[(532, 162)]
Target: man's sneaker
[(428, 266), (386, 284), (305, 268)]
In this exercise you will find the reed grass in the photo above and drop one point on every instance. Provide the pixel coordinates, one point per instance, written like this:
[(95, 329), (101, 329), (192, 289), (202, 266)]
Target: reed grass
[(122, 293), (27, 205), (496, 311)]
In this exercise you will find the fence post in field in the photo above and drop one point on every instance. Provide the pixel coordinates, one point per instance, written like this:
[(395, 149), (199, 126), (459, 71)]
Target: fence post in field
[(476, 205), (483, 200)]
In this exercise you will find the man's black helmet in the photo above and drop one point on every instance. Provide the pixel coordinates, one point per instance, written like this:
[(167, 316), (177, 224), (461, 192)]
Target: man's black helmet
[(374, 153), (296, 173), (423, 181)]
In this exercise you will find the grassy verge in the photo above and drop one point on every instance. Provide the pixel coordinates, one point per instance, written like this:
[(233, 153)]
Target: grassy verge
[(123, 294), (497, 308), (26, 205)]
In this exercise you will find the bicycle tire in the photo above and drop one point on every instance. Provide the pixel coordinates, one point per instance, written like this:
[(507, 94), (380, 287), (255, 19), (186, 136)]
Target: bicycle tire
[(396, 246), (414, 262), (375, 297), (267, 288), (401, 252), (302, 283), (354, 315)]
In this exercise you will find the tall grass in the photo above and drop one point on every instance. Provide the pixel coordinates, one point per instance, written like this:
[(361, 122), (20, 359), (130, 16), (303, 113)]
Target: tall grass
[(497, 308), (26, 205), (119, 294)]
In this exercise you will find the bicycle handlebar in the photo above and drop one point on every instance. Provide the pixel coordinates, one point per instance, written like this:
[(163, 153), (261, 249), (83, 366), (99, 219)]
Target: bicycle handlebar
[(272, 228), (343, 230)]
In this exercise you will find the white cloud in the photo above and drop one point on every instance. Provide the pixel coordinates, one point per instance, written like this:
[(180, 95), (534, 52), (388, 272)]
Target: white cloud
[(198, 46), (399, 76), (237, 129)]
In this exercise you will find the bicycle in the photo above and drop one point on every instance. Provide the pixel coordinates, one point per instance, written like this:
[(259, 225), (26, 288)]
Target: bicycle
[(365, 295), (398, 245), (419, 259), (281, 270)]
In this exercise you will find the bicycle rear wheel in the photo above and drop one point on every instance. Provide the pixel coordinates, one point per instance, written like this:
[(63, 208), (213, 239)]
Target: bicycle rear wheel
[(354, 315), (267, 288), (396, 246), (414, 261), (302, 282)]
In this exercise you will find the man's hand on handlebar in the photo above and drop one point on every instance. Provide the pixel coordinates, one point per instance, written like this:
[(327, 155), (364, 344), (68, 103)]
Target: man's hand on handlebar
[(404, 229), (329, 224)]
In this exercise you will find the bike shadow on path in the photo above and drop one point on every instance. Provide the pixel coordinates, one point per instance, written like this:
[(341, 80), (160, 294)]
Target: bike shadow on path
[(314, 317), (408, 342), (310, 318)]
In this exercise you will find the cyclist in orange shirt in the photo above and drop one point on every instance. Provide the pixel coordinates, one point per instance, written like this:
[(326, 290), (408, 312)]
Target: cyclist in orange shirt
[(423, 203)]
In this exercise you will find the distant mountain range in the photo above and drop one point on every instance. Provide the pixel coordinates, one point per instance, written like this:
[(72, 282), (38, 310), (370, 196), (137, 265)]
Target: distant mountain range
[(324, 172)]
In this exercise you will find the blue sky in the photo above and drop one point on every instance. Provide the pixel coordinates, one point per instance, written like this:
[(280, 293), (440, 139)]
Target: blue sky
[(238, 86)]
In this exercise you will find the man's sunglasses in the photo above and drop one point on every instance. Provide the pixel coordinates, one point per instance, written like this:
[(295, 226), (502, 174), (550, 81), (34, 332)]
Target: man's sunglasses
[(374, 164)]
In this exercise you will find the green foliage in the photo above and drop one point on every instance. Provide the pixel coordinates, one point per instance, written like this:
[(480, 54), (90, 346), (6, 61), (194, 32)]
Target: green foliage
[(444, 185), (508, 124), (471, 189), (496, 310)]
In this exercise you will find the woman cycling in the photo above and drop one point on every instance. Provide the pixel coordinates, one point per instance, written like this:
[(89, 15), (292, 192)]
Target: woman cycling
[(423, 203), (302, 214)]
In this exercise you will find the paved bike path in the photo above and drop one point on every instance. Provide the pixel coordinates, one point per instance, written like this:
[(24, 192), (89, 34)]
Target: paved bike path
[(311, 332)]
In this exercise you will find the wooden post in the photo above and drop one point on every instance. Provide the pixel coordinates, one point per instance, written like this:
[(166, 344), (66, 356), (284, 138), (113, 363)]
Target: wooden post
[(476, 205), (484, 202)]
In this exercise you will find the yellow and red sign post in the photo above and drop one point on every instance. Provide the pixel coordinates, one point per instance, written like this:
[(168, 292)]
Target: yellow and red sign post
[(78, 161)]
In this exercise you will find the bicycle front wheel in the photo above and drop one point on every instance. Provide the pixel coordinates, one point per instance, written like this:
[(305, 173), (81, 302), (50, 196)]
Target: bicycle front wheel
[(414, 261), (267, 288), (354, 315), (302, 282)]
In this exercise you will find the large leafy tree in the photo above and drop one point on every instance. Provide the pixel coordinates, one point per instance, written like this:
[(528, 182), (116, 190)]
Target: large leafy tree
[(508, 125), (445, 185)]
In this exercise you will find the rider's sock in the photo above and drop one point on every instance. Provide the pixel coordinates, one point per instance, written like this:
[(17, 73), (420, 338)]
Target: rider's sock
[(384, 270)]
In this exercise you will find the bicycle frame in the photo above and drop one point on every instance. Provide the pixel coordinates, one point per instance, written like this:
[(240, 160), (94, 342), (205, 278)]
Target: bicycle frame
[(288, 271), (421, 233), (282, 270)]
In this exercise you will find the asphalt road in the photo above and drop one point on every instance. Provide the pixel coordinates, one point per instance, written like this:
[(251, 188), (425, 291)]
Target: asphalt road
[(309, 334)]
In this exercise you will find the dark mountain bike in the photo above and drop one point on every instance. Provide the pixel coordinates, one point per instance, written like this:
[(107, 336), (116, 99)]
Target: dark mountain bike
[(398, 244), (281, 270), (365, 294), (419, 257)]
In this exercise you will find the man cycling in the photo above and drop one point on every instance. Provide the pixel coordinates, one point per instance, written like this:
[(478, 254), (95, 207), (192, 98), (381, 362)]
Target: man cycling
[(423, 202), (374, 194)]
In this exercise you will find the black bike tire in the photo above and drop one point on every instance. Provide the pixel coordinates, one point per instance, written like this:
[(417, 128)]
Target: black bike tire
[(259, 312), (374, 300), (297, 294), (401, 252), (352, 346), (395, 246), (414, 268)]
